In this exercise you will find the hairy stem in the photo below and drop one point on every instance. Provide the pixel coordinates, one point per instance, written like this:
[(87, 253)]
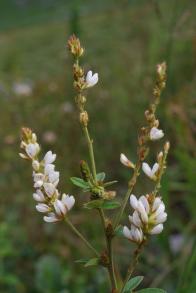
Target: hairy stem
[(133, 264), (91, 151), (75, 230)]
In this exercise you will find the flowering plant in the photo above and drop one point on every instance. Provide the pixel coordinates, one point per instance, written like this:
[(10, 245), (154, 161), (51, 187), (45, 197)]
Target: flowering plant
[(148, 211)]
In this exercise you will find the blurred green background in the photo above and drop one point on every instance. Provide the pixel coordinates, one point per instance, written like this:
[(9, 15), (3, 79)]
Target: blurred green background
[(124, 40)]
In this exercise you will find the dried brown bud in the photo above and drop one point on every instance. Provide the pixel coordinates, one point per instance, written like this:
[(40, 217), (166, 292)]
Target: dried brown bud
[(109, 194), (109, 229), (74, 46), (84, 118), (26, 134), (85, 171)]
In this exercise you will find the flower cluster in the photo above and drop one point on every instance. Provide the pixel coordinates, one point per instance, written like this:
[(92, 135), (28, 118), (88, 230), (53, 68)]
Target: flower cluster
[(45, 180), (148, 217)]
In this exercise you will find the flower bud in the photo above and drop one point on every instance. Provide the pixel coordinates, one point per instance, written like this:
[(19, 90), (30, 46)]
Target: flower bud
[(84, 118)]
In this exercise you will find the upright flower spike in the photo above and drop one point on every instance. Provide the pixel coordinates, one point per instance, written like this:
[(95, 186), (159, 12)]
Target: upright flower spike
[(150, 172), (147, 219), (156, 133), (45, 179), (91, 79)]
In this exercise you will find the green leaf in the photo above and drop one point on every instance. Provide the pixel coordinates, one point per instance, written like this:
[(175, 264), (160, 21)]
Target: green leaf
[(110, 183), (92, 262), (110, 205), (94, 204), (151, 290), (132, 284), (79, 182), (119, 231), (100, 176), (82, 260)]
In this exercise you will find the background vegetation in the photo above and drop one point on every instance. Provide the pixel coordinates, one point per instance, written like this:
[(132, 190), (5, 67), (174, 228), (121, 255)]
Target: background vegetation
[(124, 41)]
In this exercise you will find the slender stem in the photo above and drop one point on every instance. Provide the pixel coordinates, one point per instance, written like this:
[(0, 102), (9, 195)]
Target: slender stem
[(133, 264), (132, 183), (75, 230), (91, 151), (110, 252)]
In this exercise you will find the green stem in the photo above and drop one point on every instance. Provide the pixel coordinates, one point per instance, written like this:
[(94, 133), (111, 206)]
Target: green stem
[(132, 183), (91, 151), (75, 230), (133, 264), (110, 252)]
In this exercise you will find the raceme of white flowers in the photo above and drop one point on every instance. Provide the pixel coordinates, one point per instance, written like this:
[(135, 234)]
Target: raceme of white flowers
[(46, 179), (91, 79), (156, 133), (148, 217)]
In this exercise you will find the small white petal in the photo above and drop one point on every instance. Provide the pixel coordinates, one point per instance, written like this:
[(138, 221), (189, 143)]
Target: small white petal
[(156, 203), (155, 168), (39, 196), (53, 176), (69, 201), (156, 133), (157, 229), (146, 169), (142, 212), (32, 149), (38, 176), (125, 161), (91, 79), (161, 218), (126, 232), (160, 209), (136, 219), (38, 184), (49, 157), (49, 189), (48, 168), (133, 201), (60, 209), (51, 218), (145, 203), (42, 208)]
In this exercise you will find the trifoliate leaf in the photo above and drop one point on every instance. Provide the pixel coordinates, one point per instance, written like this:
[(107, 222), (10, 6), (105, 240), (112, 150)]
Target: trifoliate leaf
[(100, 176), (132, 284), (110, 205), (79, 182), (94, 204)]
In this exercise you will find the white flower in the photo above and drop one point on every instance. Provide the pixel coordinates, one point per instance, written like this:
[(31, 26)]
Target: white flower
[(39, 196), (134, 234), (156, 133), (157, 229), (22, 89), (60, 209), (51, 218), (49, 189), (91, 79), (54, 177), (49, 157), (133, 201), (42, 208), (32, 149), (48, 168), (69, 201), (38, 184), (148, 171), (126, 162)]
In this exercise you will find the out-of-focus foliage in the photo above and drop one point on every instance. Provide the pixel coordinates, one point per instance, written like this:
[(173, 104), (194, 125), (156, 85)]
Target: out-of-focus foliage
[(124, 41)]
